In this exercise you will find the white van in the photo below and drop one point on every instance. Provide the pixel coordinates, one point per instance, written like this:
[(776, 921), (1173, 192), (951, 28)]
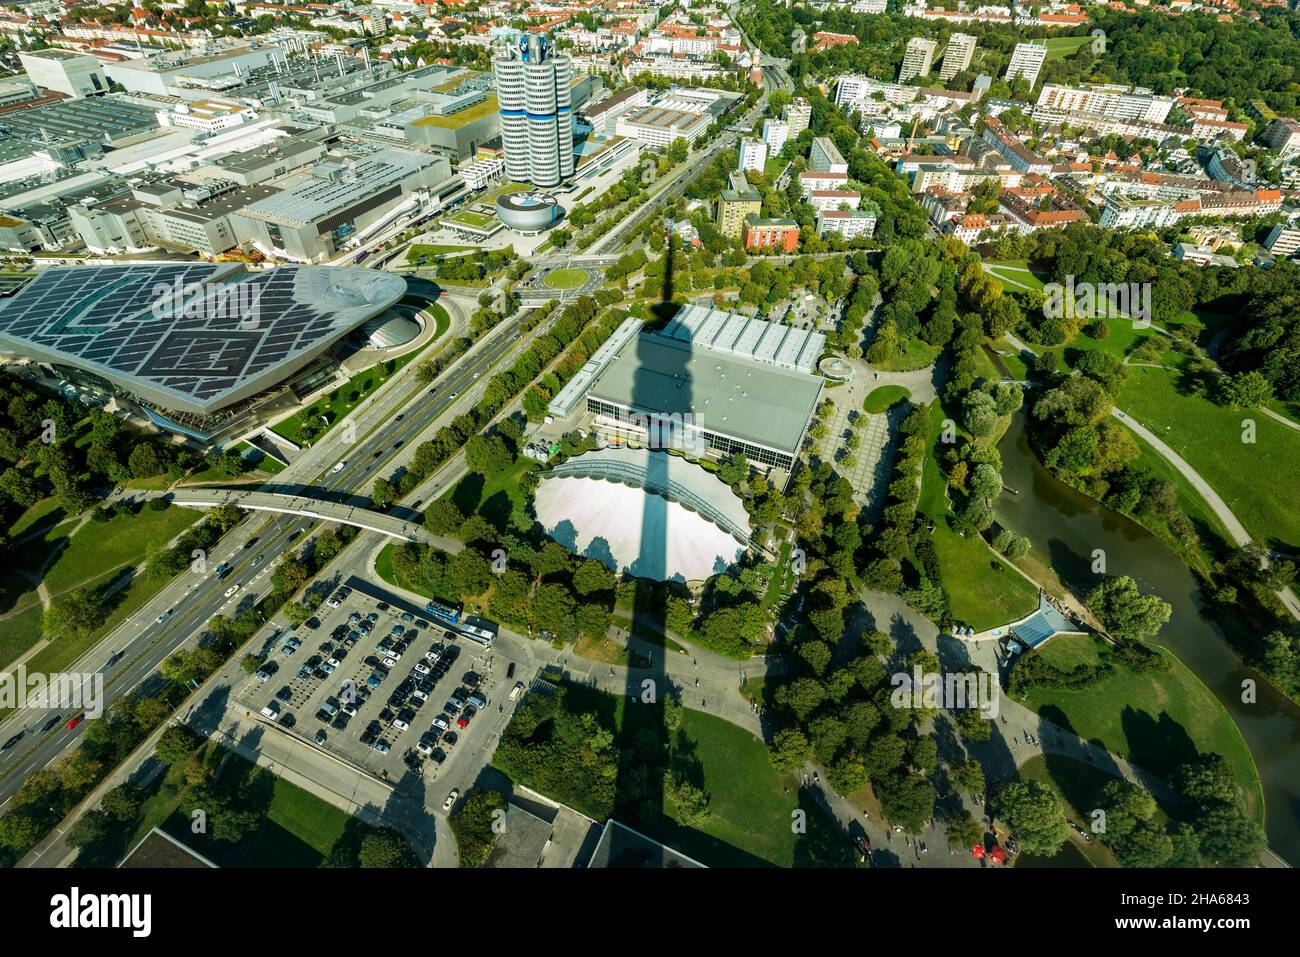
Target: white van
[(517, 690)]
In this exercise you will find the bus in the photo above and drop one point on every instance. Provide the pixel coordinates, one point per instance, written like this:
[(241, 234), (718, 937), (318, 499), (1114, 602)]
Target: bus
[(444, 612), (479, 630), (360, 256)]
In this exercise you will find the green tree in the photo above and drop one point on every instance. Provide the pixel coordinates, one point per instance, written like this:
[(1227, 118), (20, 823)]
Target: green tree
[(1126, 612), (1033, 813)]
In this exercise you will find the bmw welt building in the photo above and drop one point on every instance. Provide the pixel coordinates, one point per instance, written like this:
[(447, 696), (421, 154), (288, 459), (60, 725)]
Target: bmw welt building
[(194, 347)]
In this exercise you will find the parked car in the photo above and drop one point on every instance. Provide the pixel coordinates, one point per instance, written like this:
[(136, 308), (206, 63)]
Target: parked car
[(466, 717), (441, 722), (382, 746), (451, 799), (320, 736), (517, 690)]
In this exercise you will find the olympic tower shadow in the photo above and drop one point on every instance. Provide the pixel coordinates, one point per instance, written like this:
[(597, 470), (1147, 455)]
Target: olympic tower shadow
[(661, 398)]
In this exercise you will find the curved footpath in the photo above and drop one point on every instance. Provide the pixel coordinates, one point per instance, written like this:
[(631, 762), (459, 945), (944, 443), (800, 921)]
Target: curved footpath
[(1207, 492)]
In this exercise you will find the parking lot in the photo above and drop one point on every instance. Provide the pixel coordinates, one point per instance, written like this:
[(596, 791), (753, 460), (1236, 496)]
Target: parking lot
[(374, 681)]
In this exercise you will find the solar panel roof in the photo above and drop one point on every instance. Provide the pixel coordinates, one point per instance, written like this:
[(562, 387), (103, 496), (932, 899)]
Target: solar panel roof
[(191, 336)]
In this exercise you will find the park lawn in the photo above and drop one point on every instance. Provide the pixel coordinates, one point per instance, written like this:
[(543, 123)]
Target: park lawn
[(881, 398), (429, 250), (603, 650), (19, 632), (98, 547), (385, 569), (1015, 274), (1119, 342), (568, 278), (15, 591), (297, 828), (498, 498), (47, 511), (749, 810), (912, 354), (470, 218), (1157, 720), (1251, 477), (984, 590), (1079, 786), (1194, 506), (57, 655), (1058, 48)]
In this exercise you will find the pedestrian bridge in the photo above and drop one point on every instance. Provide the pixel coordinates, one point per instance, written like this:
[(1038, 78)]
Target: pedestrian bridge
[(314, 508)]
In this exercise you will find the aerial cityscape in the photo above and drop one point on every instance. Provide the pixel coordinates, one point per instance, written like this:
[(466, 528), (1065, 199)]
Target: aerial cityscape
[(840, 434)]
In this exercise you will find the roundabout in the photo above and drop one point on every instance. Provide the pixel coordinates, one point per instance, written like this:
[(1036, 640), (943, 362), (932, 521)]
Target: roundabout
[(566, 278)]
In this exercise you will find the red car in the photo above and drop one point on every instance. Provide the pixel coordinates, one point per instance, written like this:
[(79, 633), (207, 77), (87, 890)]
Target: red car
[(463, 720), (73, 722)]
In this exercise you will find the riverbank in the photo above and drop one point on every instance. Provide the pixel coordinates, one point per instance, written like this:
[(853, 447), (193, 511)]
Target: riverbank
[(1067, 529)]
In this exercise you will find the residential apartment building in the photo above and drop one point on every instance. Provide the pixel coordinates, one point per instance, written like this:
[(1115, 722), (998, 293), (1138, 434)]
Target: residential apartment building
[(736, 203), (824, 157), (753, 155), (1283, 241), (1283, 135), (958, 56), (797, 115), (1026, 61), (1113, 102), (759, 234), (775, 135), (848, 223), (917, 58)]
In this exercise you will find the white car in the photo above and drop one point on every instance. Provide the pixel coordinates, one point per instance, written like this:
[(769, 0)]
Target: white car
[(451, 799), (422, 668), (425, 747), (417, 693), (390, 663), (326, 667), (271, 710), (399, 724), (342, 464), (333, 662), (441, 722), (231, 590), (433, 654)]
